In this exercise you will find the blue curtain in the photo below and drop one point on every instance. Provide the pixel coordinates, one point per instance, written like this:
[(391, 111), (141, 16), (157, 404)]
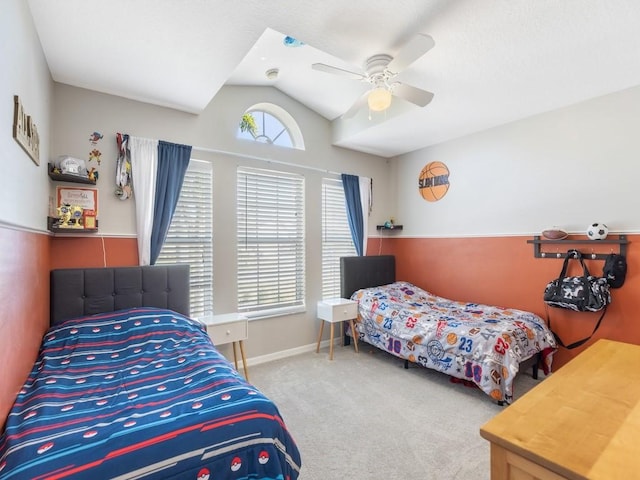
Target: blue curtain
[(173, 161), (351, 185)]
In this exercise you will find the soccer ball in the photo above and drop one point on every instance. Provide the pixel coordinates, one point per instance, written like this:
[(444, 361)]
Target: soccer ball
[(597, 231)]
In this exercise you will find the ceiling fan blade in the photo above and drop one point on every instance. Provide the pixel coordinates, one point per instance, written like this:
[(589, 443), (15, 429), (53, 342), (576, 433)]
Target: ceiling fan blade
[(358, 104), (337, 71), (414, 49), (413, 94)]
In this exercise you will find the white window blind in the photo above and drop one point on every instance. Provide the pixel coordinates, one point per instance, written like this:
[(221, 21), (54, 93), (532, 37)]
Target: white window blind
[(336, 236), (270, 241), (190, 236)]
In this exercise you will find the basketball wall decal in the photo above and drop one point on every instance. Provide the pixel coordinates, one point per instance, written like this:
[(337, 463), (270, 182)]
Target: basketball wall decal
[(433, 182)]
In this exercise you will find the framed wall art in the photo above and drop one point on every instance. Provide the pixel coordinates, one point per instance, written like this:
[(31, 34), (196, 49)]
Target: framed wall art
[(86, 198), (25, 131)]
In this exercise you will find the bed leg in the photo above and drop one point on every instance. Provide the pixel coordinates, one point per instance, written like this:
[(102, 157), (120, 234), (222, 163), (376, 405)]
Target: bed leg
[(536, 365), (501, 403), (406, 364)]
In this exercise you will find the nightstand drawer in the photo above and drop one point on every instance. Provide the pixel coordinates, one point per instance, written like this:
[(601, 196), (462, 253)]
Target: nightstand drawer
[(226, 328), (228, 332), (337, 309)]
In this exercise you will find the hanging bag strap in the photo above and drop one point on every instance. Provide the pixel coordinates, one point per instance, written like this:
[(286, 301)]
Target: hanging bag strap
[(565, 265), (575, 344), (575, 254)]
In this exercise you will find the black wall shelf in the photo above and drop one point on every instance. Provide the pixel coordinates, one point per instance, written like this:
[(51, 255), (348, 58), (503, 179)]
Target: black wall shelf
[(67, 177), (53, 227), (595, 253), (395, 227)]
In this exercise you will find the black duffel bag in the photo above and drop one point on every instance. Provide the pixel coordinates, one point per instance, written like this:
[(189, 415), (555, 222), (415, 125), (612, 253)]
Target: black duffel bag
[(584, 293)]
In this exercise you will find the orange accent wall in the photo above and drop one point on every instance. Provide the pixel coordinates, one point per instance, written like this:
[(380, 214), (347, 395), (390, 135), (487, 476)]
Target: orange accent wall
[(24, 312), (503, 271), (25, 261), (88, 252)]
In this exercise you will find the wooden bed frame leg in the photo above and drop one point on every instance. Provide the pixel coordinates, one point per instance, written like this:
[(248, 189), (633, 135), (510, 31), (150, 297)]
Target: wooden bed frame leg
[(406, 364)]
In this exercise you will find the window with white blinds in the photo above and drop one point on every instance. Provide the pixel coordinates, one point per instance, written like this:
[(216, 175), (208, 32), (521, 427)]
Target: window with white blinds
[(271, 261), (336, 236), (190, 236)]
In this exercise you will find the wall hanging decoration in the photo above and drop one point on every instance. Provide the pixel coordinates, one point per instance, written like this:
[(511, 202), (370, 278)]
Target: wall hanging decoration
[(95, 137), (433, 183), (96, 155), (25, 131), (123, 168)]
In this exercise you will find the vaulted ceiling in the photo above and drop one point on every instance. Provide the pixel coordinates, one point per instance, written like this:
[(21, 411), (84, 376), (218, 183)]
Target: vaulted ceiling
[(494, 61)]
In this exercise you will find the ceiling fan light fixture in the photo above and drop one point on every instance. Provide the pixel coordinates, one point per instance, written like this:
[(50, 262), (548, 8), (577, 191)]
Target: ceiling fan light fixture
[(379, 99)]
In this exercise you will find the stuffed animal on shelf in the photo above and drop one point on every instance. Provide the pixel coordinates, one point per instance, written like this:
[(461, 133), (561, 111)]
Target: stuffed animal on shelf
[(93, 174)]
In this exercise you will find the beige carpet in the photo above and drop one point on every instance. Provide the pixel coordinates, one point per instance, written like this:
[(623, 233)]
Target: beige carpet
[(363, 416)]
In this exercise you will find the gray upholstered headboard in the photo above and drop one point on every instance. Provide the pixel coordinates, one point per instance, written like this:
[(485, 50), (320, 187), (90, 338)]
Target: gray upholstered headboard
[(364, 272), (85, 291)]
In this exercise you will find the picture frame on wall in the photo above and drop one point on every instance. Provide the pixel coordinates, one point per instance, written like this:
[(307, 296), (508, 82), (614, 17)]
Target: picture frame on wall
[(84, 197)]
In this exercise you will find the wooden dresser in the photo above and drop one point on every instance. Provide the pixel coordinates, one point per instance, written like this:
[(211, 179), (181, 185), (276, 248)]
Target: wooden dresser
[(583, 422)]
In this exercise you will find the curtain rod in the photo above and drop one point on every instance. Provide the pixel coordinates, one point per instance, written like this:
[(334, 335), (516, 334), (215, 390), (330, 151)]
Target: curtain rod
[(263, 159)]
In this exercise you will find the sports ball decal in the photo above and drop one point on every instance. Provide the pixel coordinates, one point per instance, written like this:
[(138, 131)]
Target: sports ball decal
[(433, 182), (203, 474), (236, 463), (263, 457)]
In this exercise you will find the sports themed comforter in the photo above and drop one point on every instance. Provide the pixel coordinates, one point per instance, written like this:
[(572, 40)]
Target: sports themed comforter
[(141, 393), (479, 343)]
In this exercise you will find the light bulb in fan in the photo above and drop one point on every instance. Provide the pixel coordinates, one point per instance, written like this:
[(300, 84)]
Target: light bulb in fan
[(379, 99)]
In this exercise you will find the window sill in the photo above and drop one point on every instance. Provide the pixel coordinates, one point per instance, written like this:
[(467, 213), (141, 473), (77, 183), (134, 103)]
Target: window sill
[(275, 312)]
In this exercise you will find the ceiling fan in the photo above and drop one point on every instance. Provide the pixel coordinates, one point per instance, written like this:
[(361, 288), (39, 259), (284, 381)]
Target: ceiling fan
[(381, 71)]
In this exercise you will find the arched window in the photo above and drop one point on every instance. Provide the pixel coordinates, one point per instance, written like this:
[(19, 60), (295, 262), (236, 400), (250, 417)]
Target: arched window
[(269, 123)]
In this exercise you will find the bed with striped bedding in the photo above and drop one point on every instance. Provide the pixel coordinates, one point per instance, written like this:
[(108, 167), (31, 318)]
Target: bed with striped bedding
[(141, 393)]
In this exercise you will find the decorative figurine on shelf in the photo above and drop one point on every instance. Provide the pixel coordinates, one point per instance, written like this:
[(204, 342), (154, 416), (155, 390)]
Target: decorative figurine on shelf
[(64, 215), (93, 174), (71, 166), (76, 216), (69, 216)]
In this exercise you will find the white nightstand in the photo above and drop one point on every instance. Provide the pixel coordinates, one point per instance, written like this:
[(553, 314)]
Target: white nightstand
[(335, 310), (229, 328)]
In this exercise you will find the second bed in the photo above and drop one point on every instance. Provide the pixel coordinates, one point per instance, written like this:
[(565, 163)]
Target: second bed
[(481, 344)]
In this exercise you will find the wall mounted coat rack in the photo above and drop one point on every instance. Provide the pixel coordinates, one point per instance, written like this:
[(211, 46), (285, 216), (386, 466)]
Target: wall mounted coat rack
[(595, 253)]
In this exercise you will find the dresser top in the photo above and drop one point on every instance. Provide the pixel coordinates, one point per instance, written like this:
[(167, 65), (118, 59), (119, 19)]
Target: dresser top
[(584, 420)]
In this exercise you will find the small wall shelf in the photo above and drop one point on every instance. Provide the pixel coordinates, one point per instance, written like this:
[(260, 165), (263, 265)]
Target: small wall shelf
[(596, 253), (66, 177), (52, 227), (395, 227)]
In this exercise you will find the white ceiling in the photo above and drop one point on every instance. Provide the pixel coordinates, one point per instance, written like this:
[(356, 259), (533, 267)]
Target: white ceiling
[(494, 61)]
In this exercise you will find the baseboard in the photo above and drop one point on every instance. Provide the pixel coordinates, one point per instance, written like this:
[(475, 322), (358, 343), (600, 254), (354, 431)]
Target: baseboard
[(288, 353)]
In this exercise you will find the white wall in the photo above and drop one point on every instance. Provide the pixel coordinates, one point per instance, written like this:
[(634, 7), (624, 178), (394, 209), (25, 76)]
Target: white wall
[(569, 168), (23, 72), (79, 112)]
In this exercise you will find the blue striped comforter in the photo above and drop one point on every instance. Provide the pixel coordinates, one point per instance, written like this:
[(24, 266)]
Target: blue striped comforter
[(141, 393)]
